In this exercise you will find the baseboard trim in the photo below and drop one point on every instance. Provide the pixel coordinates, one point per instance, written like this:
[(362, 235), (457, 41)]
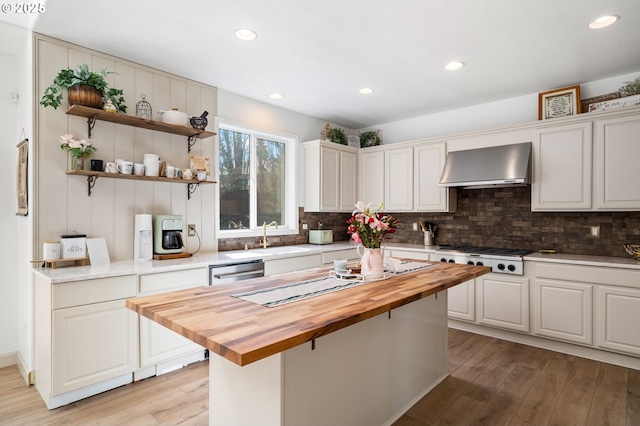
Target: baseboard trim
[(552, 345), (29, 376)]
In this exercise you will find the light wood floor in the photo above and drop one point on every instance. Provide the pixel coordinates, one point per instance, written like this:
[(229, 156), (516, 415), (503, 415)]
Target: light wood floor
[(491, 382)]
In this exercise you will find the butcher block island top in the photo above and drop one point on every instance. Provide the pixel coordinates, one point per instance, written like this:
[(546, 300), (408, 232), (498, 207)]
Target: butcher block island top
[(244, 332)]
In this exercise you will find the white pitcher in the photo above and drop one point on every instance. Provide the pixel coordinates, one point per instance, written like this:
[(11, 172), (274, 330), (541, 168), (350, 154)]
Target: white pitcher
[(372, 261)]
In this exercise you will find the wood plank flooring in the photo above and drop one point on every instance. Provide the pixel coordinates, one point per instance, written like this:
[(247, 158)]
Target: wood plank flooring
[(491, 382)]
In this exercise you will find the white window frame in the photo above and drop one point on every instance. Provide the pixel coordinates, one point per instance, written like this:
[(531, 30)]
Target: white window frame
[(291, 173)]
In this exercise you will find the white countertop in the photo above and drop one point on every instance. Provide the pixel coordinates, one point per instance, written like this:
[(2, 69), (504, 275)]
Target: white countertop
[(578, 259), (201, 260)]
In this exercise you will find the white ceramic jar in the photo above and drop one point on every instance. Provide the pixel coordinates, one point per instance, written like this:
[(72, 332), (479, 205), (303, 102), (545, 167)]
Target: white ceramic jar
[(175, 117), (151, 165)]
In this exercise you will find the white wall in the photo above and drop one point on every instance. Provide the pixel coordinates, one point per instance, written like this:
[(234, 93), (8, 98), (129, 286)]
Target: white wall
[(16, 310), (507, 112)]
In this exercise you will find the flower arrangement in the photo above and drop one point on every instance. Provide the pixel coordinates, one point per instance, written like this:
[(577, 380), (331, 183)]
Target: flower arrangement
[(79, 148), (369, 227)]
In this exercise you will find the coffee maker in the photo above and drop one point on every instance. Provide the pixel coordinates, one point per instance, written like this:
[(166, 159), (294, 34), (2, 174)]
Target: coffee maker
[(167, 234)]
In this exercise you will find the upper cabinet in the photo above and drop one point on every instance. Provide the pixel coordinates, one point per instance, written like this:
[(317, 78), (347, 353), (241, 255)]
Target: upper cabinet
[(616, 154), (371, 176), (588, 163), (428, 162), (330, 177), (562, 168), (398, 179)]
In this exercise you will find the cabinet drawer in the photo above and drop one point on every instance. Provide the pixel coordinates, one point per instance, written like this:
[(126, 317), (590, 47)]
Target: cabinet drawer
[(409, 254), (281, 266), (330, 256), (167, 281), (589, 274), (76, 293)]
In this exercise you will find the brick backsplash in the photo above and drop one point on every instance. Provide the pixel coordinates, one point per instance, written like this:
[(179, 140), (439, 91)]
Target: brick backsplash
[(499, 217)]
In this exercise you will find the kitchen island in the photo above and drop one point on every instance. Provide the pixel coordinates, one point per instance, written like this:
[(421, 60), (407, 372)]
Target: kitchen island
[(359, 367)]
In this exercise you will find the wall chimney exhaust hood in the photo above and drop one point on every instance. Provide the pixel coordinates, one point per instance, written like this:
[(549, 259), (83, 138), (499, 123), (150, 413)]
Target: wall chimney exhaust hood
[(497, 166)]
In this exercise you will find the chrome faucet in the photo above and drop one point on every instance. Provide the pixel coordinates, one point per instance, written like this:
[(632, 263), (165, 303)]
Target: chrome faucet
[(265, 242)]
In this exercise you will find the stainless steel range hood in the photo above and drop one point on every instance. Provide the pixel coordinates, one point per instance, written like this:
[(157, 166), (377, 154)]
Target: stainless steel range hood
[(497, 166)]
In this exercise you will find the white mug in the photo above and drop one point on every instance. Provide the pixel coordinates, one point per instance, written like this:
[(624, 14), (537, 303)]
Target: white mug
[(125, 167), (111, 167), (151, 165), (138, 169), (202, 175), (170, 171), (51, 251), (186, 174)]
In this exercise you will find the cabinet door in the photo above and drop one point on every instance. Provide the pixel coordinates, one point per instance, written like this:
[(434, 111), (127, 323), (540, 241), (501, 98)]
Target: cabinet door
[(503, 301), (428, 164), (348, 180), (329, 179), (92, 343), (617, 152), (563, 310), (618, 316), (562, 168), (158, 343), (398, 179), (462, 301), (371, 180)]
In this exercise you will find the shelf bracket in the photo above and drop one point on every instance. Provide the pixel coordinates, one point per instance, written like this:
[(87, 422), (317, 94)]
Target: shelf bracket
[(91, 181), (191, 188), (191, 140), (91, 122)]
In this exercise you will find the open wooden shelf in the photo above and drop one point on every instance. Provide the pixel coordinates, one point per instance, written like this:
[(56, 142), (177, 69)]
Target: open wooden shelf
[(93, 114), (92, 176)]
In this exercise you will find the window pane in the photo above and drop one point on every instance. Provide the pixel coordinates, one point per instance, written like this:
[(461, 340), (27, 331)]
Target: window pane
[(270, 176), (234, 179)]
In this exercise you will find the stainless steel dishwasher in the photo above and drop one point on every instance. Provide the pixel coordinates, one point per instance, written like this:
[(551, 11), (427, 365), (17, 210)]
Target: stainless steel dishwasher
[(235, 271)]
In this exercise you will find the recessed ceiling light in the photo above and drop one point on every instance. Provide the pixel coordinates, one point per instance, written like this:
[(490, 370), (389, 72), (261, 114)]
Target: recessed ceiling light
[(603, 21), (245, 34), (365, 90), (276, 96), (455, 65)]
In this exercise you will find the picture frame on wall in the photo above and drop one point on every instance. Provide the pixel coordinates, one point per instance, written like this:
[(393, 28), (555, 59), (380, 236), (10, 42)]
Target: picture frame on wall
[(21, 178), (559, 103)]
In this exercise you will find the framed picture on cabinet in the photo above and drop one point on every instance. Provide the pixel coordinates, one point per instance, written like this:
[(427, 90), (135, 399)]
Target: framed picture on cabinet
[(559, 103)]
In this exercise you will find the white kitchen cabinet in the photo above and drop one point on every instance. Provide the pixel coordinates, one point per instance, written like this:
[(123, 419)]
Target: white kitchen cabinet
[(371, 176), (290, 264), (329, 256), (330, 177), (617, 318), (398, 179), (407, 254), (159, 344), (563, 310), (503, 301), (428, 162), (462, 301), (617, 152), (562, 164), (86, 340)]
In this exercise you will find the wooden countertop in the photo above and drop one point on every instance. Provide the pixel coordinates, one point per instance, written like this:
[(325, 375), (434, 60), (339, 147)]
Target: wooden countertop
[(245, 332)]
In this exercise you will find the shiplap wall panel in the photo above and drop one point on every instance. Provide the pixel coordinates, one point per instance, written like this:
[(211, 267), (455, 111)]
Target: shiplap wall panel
[(63, 204)]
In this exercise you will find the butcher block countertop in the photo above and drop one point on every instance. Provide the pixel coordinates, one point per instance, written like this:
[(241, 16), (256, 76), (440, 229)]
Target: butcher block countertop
[(245, 332)]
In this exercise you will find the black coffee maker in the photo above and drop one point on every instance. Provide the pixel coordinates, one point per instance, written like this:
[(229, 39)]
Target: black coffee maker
[(167, 234)]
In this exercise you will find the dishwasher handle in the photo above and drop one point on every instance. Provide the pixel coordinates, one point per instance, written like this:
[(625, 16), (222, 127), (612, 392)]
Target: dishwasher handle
[(239, 275)]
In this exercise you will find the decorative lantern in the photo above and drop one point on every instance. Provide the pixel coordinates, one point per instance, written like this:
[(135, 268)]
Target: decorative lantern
[(143, 108)]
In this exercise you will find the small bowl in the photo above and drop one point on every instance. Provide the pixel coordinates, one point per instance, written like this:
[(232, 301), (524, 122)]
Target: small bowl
[(198, 122), (632, 249)]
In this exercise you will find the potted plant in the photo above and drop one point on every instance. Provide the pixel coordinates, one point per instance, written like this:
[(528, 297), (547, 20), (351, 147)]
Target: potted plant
[(84, 87)]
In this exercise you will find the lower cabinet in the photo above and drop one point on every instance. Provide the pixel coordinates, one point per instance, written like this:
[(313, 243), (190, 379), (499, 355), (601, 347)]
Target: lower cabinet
[(158, 344), (562, 310), (617, 318), (86, 340), (290, 264), (503, 301), (462, 301)]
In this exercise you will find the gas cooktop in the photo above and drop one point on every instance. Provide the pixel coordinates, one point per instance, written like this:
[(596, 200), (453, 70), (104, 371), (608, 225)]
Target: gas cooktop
[(501, 260)]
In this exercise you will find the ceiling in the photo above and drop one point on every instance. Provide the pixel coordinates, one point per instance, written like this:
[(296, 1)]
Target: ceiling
[(319, 53)]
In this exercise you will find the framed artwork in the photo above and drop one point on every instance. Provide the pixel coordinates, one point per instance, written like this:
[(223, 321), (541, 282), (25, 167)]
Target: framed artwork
[(559, 103), (21, 178)]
